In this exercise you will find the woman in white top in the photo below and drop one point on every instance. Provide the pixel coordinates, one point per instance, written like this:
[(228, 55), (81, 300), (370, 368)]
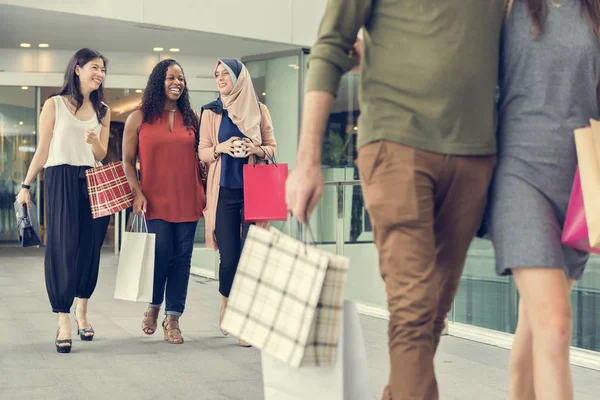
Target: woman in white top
[(74, 131)]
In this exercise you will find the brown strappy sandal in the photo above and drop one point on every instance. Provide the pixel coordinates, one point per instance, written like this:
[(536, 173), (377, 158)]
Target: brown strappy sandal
[(150, 321), (172, 331)]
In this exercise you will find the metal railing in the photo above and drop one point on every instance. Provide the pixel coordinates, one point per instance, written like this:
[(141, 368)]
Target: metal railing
[(340, 214)]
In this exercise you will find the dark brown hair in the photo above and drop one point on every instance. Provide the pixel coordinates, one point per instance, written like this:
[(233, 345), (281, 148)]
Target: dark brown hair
[(71, 83), (538, 11)]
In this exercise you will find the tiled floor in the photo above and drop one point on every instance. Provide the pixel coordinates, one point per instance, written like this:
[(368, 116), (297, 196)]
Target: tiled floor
[(123, 363)]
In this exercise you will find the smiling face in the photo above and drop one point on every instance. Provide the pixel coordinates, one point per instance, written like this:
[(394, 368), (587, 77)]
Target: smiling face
[(223, 79), (174, 82), (91, 75)]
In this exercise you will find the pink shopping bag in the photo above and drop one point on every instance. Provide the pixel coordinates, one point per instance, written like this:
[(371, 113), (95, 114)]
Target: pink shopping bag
[(575, 231)]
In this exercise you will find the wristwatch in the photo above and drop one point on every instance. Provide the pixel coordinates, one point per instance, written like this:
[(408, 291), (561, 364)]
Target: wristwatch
[(24, 186)]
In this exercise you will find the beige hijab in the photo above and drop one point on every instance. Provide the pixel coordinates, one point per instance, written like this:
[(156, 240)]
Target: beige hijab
[(242, 105)]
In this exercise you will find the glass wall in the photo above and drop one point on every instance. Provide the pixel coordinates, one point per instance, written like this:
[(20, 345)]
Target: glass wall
[(489, 301), (18, 122), (277, 83), (18, 140), (198, 99)]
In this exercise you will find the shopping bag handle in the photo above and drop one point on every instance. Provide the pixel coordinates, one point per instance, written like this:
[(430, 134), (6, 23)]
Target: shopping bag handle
[(269, 157), (311, 237), (138, 223)]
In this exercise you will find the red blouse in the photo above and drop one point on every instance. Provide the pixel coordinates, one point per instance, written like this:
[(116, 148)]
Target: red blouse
[(169, 171)]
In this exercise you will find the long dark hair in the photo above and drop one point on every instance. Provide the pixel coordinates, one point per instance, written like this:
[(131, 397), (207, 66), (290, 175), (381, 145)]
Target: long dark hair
[(71, 83), (538, 11), (153, 100)]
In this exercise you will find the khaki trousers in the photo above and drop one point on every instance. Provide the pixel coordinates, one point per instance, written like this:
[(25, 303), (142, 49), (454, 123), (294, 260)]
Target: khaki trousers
[(425, 209)]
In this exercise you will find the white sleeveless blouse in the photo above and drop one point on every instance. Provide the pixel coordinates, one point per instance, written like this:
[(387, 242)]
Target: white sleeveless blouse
[(68, 146)]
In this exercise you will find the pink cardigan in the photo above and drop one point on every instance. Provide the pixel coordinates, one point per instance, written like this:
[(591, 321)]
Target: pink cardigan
[(209, 131)]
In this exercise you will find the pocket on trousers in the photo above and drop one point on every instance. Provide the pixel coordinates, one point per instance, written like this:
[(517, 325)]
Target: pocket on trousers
[(387, 172), (369, 157)]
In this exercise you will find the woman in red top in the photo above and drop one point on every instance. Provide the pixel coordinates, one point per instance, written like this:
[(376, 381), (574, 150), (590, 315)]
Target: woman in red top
[(162, 134)]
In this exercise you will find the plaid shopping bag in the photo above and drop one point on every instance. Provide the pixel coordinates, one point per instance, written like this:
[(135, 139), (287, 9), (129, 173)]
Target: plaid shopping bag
[(287, 299), (108, 189)]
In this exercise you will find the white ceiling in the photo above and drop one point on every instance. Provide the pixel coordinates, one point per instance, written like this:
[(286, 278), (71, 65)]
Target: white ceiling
[(71, 32)]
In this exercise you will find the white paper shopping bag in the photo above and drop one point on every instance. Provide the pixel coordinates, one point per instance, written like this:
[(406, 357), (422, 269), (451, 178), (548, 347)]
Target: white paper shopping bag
[(135, 273), (348, 379)]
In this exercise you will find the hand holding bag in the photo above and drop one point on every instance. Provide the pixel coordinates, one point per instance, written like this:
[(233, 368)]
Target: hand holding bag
[(582, 224), (287, 299), (264, 191), (575, 231), (135, 273), (108, 189), (28, 225)]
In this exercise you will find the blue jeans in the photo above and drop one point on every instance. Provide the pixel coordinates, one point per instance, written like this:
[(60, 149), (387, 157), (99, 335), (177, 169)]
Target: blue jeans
[(173, 257)]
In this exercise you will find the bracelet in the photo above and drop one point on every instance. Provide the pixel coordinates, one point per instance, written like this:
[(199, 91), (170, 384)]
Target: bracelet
[(215, 154), (24, 186)]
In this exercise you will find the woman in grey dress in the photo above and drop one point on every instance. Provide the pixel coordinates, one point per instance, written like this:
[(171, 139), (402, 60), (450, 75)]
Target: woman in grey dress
[(549, 76)]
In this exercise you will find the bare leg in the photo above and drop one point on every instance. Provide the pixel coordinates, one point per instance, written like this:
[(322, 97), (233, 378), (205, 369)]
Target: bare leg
[(520, 364), (81, 315), (223, 306), (521, 357), (64, 326), (545, 300)]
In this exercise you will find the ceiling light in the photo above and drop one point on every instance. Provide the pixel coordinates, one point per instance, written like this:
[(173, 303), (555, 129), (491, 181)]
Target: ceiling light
[(138, 91), (292, 65), (174, 50), (264, 94), (24, 87), (25, 45), (33, 132), (43, 45), (158, 49), (20, 122), (355, 128)]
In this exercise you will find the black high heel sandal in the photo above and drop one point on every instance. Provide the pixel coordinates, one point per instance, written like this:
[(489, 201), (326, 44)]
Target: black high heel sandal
[(58, 343), (84, 334)]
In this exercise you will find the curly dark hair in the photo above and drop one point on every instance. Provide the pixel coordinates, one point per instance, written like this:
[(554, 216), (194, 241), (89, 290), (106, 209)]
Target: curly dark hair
[(153, 100)]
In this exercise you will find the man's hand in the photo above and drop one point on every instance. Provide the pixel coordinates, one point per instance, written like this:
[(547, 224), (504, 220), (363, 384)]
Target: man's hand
[(304, 188), (357, 53)]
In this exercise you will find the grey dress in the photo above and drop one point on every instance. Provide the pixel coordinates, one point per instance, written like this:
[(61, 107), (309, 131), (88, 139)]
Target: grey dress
[(548, 88)]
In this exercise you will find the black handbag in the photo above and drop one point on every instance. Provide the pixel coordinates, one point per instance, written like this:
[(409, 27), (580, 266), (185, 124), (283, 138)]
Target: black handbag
[(27, 223)]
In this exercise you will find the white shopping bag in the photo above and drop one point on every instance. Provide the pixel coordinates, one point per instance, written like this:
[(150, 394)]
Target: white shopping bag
[(135, 274), (348, 379)]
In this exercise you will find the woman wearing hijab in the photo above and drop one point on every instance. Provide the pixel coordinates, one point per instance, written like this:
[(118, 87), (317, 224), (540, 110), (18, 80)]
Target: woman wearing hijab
[(235, 130)]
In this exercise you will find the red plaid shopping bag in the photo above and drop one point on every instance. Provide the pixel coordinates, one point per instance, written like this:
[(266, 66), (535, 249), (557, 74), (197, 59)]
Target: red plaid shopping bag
[(108, 189)]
